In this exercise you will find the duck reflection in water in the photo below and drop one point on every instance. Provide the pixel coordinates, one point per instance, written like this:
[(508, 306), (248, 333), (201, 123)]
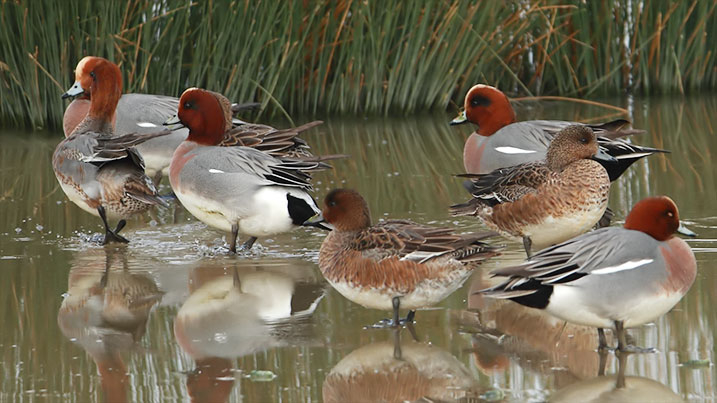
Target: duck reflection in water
[(105, 311), (401, 370), (616, 388), (240, 310), (505, 332)]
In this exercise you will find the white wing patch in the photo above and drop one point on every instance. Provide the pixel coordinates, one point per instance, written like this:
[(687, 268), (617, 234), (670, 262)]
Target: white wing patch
[(215, 171), (633, 264), (146, 124), (513, 150)]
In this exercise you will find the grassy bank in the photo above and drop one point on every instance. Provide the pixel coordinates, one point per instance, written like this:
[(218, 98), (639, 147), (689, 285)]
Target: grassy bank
[(354, 57)]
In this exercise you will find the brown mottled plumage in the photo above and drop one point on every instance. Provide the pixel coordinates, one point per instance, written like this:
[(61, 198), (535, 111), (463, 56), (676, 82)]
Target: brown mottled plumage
[(371, 265), (100, 172), (544, 202)]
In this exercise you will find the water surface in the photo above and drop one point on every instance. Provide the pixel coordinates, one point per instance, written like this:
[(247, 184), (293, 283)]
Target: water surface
[(178, 318)]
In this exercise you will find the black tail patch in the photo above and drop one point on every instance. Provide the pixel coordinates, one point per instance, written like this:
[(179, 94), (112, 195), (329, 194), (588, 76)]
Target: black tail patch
[(299, 210), (539, 299)]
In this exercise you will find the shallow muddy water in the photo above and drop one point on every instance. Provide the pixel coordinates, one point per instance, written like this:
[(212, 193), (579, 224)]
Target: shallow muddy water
[(178, 318)]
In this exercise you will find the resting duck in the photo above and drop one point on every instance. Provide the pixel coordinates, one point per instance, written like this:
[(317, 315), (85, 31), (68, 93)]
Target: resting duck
[(100, 172)]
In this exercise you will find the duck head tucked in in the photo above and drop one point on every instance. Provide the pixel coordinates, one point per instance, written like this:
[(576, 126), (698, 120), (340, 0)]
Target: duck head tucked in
[(657, 217), (202, 113), (488, 108), (346, 210), (571, 144), (102, 81)]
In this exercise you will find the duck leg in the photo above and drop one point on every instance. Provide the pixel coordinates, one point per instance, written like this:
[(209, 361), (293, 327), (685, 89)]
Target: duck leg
[(396, 321), (249, 243), (527, 244), (622, 345), (233, 239), (396, 304), (110, 236), (120, 225), (602, 340)]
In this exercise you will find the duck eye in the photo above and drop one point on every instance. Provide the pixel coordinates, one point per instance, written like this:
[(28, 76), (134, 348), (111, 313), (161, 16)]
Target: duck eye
[(92, 74), (584, 140), (670, 214), (480, 101), (188, 105), (332, 203)]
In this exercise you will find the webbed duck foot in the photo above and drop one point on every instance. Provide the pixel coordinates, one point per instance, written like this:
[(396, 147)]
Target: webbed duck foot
[(396, 321), (624, 347), (113, 237)]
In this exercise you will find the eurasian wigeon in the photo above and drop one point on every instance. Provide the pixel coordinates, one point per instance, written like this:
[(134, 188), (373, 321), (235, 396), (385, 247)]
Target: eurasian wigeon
[(100, 172), (139, 113), (235, 189), (280, 143), (545, 202), (395, 263), (611, 277), (500, 141)]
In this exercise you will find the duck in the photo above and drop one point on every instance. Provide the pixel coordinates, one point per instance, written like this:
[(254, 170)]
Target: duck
[(140, 113), (501, 141), (281, 143), (615, 277), (396, 263), (545, 202), (99, 171), (236, 188)]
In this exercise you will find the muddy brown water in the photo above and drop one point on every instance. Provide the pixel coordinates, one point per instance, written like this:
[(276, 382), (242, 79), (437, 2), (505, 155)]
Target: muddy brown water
[(177, 318)]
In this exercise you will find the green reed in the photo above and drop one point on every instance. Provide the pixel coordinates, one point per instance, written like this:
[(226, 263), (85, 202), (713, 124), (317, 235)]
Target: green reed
[(354, 57)]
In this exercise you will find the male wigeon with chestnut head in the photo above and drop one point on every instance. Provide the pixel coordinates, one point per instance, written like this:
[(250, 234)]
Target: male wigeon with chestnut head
[(501, 141), (235, 189), (139, 113), (610, 278)]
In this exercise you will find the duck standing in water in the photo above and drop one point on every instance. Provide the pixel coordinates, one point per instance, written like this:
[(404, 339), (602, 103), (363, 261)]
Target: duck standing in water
[(546, 202), (236, 189), (395, 263), (612, 277), (142, 113), (501, 141), (100, 172)]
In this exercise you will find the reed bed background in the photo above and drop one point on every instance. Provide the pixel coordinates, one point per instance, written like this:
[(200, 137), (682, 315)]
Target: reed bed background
[(355, 57)]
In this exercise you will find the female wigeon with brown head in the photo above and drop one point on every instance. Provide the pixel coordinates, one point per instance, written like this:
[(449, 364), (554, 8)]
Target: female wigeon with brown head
[(235, 189), (547, 202), (501, 141), (610, 278), (100, 172), (395, 263)]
